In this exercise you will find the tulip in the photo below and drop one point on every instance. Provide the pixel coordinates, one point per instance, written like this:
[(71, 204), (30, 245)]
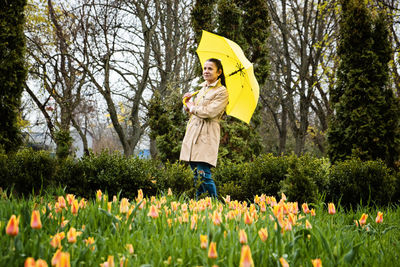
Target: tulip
[(283, 262), (316, 263), (124, 205), (29, 262), (70, 198), (169, 192), (248, 219), (99, 195), (217, 220), (61, 202), (41, 263), (153, 213), (308, 225), (245, 257), (12, 228), (379, 217), (203, 241), (305, 208), (82, 203), (331, 208), (312, 212), (56, 240), (363, 219), (242, 237), (130, 249), (64, 260), (74, 207), (109, 262), (89, 242), (72, 234), (35, 220), (263, 234), (56, 257), (212, 251)]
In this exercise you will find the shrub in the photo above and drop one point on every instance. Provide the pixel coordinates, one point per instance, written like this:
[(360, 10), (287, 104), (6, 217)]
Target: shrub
[(31, 171), (264, 174), (176, 176), (354, 182), (306, 178), (4, 172)]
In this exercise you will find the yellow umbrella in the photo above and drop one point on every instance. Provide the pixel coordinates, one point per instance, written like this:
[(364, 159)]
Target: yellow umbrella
[(241, 83)]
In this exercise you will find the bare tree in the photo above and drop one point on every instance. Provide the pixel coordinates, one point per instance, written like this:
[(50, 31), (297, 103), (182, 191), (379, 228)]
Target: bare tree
[(51, 33), (302, 38)]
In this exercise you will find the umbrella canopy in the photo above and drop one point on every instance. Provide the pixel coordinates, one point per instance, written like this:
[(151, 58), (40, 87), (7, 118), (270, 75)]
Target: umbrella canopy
[(241, 83)]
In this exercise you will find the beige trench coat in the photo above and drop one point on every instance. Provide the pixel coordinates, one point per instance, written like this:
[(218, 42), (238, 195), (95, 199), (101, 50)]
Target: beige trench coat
[(201, 141)]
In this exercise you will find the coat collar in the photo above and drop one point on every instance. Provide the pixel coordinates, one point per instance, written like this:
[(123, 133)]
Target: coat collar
[(203, 84)]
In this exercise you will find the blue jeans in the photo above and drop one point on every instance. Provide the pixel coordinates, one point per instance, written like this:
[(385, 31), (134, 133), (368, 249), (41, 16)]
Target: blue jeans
[(202, 169)]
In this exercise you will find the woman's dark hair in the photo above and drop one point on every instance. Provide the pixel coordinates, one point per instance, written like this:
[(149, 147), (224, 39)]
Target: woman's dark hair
[(218, 63)]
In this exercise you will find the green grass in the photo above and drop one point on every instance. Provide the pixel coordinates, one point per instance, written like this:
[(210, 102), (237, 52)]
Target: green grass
[(168, 240)]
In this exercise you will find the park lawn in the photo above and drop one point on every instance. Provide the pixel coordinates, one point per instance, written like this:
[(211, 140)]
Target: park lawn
[(165, 230)]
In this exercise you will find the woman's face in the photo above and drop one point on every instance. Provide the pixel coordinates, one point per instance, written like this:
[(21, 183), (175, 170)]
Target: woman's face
[(210, 72)]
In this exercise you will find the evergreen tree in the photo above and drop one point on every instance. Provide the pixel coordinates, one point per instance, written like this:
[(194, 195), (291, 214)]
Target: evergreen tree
[(167, 124), (365, 122), (12, 71), (247, 24)]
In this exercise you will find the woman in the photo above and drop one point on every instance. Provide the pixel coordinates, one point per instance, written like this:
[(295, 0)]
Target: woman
[(201, 141)]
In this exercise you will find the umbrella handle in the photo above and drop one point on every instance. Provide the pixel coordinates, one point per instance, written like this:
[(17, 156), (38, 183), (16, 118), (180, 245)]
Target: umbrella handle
[(186, 98)]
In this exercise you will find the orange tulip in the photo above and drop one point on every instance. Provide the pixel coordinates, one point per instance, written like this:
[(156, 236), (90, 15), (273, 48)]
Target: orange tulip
[(242, 237), (124, 205), (89, 242), (312, 212), (61, 202), (56, 240), (245, 257), (331, 208), (56, 257), (248, 219), (203, 241), (99, 195), (109, 262), (305, 208), (379, 217), (212, 251), (72, 234), (12, 228), (29, 262), (363, 219), (217, 220), (283, 262), (70, 198), (263, 234), (35, 220), (316, 263), (64, 260), (74, 207), (153, 213), (308, 225), (41, 263), (130, 249)]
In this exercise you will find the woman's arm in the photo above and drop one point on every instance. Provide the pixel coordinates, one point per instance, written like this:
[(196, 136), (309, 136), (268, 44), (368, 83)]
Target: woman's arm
[(214, 107)]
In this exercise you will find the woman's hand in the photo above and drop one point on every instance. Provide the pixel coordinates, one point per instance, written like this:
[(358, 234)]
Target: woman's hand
[(187, 96), (189, 105)]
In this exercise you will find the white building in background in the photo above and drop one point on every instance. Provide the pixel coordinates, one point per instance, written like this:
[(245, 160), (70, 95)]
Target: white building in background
[(43, 141)]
